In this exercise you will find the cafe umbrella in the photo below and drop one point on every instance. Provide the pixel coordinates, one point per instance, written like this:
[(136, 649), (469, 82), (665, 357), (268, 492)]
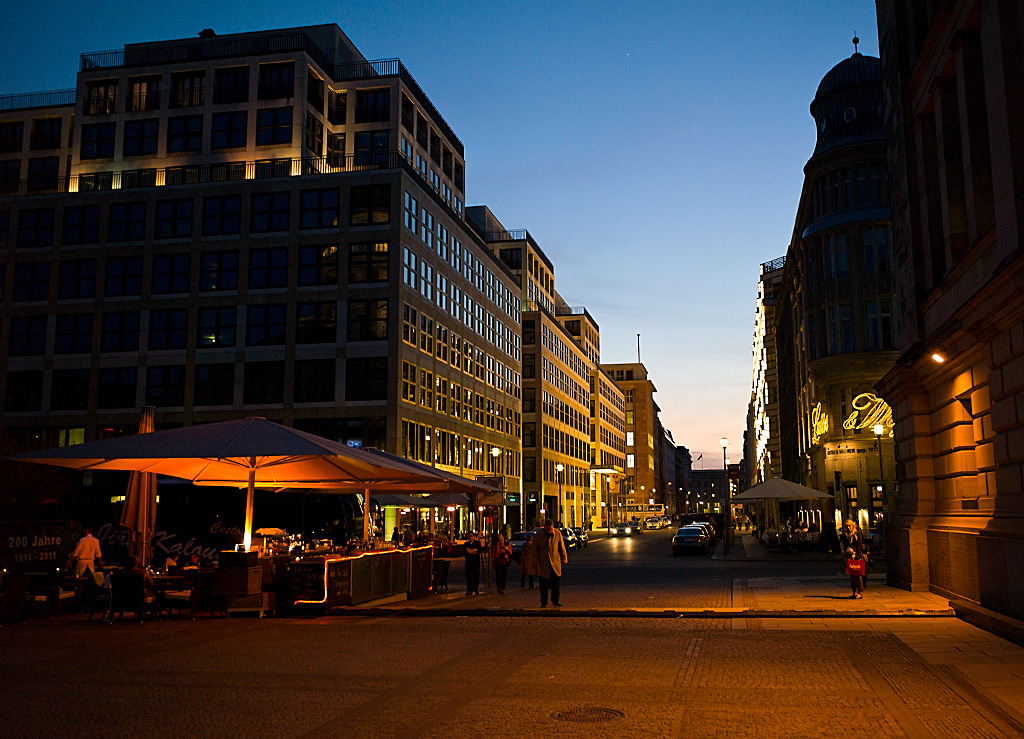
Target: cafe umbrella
[(247, 452), (139, 512)]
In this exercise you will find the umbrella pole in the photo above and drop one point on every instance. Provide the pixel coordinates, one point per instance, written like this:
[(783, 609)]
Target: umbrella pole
[(366, 515), (250, 496)]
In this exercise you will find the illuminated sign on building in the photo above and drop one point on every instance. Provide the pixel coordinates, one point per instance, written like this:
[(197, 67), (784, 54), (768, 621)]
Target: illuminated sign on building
[(819, 424), (869, 410)]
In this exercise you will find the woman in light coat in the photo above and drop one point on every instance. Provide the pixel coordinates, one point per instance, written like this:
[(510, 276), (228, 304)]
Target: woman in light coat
[(551, 555), (527, 563)]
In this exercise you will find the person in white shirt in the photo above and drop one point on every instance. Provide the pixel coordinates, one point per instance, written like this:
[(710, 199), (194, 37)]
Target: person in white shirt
[(86, 553)]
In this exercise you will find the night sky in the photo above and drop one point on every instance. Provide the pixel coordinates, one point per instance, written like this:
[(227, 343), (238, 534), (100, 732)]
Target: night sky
[(654, 150)]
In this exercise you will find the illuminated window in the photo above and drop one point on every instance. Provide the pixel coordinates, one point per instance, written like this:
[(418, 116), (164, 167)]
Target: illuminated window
[(217, 327)]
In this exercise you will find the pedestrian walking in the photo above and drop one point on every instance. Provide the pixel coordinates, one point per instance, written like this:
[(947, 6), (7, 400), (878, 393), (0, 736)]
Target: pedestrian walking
[(528, 562), (86, 554), (551, 555), (501, 555), (473, 547), (855, 550)]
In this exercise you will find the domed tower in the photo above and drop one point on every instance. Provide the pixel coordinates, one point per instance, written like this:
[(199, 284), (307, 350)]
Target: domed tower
[(840, 298)]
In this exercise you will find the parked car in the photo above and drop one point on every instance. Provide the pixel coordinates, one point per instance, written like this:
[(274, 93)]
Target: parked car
[(623, 528), (690, 539), (582, 535), (571, 541), (517, 541), (637, 525), (709, 525), (706, 528)]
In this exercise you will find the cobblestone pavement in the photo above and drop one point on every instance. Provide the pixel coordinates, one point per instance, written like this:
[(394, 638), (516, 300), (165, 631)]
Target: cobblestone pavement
[(356, 677)]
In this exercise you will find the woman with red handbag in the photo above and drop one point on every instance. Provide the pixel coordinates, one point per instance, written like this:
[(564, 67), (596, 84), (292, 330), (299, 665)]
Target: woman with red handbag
[(501, 555), (855, 549)]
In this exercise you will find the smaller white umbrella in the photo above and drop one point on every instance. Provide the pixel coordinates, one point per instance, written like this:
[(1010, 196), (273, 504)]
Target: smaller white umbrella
[(779, 489)]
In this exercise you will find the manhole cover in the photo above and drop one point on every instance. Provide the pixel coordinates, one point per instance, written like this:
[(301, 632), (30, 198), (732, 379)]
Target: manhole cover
[(588, 715)]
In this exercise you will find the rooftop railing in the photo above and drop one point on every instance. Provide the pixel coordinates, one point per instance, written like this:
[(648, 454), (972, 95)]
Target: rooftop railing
[(777, 263), (37, 99), (218, 47), (518, 234)]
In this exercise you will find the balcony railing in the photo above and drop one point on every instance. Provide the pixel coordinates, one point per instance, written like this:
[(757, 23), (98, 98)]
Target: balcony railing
[(144, 101), (37, 99), (190, 98), (101, 105), (203, 173), (777, 263)]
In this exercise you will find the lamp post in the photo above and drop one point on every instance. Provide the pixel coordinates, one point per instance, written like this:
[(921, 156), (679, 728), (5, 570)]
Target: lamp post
[(879, 429), (559, 467), (728, 498)]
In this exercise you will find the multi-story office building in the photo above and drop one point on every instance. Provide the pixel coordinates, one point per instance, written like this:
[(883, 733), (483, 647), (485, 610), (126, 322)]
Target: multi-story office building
[(642, 438), (573, 414), (708, 491), (253, 224), (837, 323), (956, 140), (666, 466), (762, 441)]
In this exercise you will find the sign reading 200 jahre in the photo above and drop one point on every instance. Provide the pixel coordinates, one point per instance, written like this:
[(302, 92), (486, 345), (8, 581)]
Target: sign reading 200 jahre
[(35, 544)]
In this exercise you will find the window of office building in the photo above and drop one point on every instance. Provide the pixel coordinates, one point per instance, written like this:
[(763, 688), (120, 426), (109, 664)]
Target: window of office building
[(319, 209), (144, 94), (10, 175), (216, 327), (370, 205), (81, 225), (28, 336), (318, 265), (69, 390), (42, 173), (140, 137), (74, 334), (373, 106), (24, 391), (168, 329), (173, 219), (222, 215), (230, 130), (117, 388), (270, 212), (184, 133), (367, 320), (268, 268), (45, 134), (231, 85), (35, 227), (218, 271), (314, 380), (314, 135), (265, 325), (316, 323), (97, 141), (12, 136), (368, 262), (276, 81), (120, 332), (366, 378), (188, 89), (124, 276), (371, 147), (127, 222), (77, 278), (171, 273), (31, 281), (165, 386), (215, 384), (263, 383), (336, 149), (410, 274), (273, 126)]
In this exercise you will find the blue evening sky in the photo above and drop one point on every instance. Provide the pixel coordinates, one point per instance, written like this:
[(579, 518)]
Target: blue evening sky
[(653, 149)]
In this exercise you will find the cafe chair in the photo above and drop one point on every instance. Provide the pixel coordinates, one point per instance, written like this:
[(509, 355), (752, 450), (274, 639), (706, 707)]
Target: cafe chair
[(184, 597), (127, 593), (95, 597), (12, 598)]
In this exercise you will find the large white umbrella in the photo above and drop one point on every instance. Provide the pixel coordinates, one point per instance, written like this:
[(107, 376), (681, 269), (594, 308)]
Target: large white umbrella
[(251, 453), (139, 512), (779, 489)]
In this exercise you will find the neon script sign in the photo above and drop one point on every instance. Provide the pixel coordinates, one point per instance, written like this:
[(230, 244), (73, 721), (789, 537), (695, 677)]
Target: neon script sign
[(868, 411), (819, 424)]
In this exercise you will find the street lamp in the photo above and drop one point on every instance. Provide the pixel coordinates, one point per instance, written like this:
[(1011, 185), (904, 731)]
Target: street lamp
[(879, 429), (559, 467), (728, 498)]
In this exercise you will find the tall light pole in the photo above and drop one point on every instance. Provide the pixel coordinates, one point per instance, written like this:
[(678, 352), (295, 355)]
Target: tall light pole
[(559, 467), (879, 429), (728, 498)]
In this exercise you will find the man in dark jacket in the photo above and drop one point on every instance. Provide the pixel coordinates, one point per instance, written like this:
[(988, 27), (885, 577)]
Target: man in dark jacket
[(473, 548)]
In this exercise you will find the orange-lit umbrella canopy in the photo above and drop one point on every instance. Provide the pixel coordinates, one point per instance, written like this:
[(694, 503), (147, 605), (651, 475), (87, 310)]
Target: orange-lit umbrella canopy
[(248, 452), (139, 512), (779, 489)]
